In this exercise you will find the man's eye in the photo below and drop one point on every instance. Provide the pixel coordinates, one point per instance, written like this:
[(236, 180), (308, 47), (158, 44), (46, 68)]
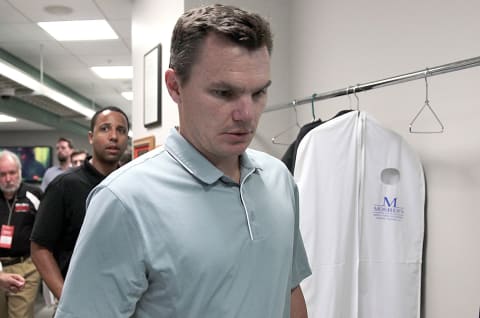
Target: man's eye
[(222, 93), (260, 93)]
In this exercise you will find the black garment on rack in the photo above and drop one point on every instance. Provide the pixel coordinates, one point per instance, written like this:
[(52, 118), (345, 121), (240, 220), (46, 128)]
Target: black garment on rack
[(289, 157)]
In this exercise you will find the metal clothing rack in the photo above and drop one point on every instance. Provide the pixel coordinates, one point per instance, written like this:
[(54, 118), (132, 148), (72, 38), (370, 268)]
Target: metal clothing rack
[(430, 71)]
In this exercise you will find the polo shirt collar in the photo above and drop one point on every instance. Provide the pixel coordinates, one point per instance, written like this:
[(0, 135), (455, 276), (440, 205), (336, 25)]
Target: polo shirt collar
[(91, 170), (195, 163)]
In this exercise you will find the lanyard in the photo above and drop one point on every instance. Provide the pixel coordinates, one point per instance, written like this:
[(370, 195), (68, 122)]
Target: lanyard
[(10, 209)]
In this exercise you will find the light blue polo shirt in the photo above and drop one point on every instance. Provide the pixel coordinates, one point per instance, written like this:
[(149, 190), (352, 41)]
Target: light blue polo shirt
[(169, 235)]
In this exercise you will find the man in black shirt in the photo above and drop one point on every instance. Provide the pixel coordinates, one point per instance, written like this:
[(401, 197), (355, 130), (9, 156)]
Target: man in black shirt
[(18, 206), (61, 214)]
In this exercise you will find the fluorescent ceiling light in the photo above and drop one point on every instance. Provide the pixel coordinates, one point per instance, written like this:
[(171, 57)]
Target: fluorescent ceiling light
[(67, 101), (127, 95), (17, 75), (82, 30), (113, 72), (7, 119)]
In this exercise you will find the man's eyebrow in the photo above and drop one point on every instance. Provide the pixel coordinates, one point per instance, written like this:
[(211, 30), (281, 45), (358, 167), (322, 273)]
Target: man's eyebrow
[(226, 85), (222, 84), (267, 85)]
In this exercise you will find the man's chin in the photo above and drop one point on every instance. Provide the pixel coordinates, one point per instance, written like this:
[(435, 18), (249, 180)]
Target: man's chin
[(111, 159), (237, 150), (10, 190)]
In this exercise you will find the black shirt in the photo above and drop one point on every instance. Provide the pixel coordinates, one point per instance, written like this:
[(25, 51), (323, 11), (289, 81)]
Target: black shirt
[(291, 154), (62, 211), (24, 208)]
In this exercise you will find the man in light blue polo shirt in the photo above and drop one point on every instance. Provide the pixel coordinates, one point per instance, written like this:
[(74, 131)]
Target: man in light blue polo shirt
[(203, 227)]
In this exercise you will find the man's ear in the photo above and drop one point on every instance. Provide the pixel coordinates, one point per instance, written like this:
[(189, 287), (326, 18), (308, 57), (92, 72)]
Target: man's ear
[(173, 85), (90, 137)]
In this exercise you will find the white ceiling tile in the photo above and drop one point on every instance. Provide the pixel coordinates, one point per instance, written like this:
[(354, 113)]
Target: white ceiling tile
[(123, 28), (30, 51), (116, 9), (106, 60), (22, 32), (9, 14), (106, 47), (34, 10), (55, 63)]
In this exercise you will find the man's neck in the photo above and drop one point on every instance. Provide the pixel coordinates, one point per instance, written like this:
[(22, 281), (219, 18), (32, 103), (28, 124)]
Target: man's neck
[(9, 195), (230, 169), (104, 168), (65, 165)]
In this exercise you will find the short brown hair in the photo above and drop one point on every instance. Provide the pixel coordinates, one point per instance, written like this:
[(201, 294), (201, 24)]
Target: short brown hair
[(77, 152), (246, 29), (68, 141)]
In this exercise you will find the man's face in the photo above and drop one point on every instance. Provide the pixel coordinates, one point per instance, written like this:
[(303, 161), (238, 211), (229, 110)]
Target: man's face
[(221, 102), (109, 137), (10, 177), (78, 159), (63, 151)]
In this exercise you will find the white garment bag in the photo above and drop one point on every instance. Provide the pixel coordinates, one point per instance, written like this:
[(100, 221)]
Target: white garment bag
[(362, 198)]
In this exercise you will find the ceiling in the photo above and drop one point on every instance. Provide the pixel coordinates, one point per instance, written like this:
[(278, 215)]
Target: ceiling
[(67, 63)]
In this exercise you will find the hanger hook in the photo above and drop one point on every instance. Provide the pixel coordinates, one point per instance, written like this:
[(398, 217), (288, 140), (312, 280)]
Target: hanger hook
[(294, 105), (349, 97), (356, 97), (426, 105), (426, 85), (313, 105)]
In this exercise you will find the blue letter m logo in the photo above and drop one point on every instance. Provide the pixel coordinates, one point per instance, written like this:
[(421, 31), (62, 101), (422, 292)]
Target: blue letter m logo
[(388, 203)]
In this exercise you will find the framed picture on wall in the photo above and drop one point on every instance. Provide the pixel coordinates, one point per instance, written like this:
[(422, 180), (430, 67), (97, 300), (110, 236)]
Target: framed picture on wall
[(143, 145), (152, 87)]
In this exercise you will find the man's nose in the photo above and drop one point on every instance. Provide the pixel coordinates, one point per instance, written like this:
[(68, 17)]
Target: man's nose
[(113, 134), (244, 109)]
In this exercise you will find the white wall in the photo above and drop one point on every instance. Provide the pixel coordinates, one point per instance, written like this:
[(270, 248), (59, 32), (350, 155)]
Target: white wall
[(152, 23), (322, 45), (341, 43)]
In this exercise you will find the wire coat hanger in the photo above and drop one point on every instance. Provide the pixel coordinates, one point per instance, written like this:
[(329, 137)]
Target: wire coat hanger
[(426, 105), (313, 105), (297, 124)]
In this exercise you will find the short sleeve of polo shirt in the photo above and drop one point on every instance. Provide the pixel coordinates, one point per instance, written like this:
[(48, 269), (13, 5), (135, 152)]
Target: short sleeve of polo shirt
[(111, 244)]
